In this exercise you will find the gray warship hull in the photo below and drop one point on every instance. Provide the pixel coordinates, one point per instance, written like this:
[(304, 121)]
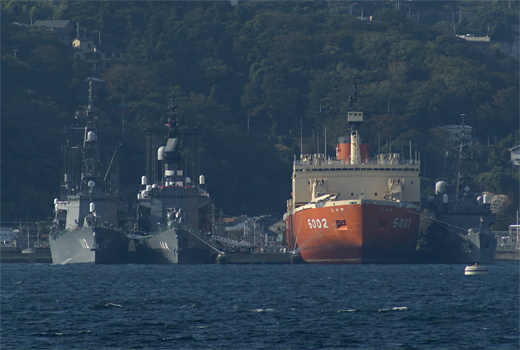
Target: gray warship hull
[(172, 246), (89, 246), (463, 249)]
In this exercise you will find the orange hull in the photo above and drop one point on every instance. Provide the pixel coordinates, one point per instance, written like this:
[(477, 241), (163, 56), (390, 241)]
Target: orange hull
[(354, 233)]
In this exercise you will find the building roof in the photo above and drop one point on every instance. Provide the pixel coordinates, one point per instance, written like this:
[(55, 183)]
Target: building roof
[(471, 37), (457, 126), (57, 24)]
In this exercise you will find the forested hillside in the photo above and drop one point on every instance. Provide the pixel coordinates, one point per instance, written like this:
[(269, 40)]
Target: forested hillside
[(253, 78)]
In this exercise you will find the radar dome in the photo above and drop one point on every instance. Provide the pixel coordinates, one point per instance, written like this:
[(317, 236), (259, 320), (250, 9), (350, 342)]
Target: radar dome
[(91, 136), (160, 153), (440, 187)]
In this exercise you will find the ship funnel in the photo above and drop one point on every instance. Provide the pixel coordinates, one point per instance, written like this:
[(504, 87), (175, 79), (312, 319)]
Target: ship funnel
[(486, 199), (160, 153), (202, 180), (344, 152), (148, 188), (343, 139), (92, 207), (144, 180)]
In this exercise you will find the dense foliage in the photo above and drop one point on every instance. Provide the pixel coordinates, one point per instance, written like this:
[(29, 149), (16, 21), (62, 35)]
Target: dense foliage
[(251, 77)]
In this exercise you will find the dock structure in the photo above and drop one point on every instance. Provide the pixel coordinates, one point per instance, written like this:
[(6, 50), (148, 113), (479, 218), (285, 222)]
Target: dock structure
[(17, 255), (259, 258)]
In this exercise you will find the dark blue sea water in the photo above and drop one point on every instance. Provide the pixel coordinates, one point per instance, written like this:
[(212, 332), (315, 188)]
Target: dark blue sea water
[(259, 307)]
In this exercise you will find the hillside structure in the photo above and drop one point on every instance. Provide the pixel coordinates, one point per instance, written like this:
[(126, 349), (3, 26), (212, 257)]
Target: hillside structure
[(63, 28), (99, 57)]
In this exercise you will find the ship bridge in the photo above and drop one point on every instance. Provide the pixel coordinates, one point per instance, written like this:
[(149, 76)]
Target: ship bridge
[(386, 177)]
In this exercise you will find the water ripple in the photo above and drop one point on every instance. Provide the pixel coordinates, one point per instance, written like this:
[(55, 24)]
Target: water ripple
[(258, 307)]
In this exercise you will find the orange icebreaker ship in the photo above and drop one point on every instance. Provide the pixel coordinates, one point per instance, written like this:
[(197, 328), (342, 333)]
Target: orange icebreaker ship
[(353, 209)]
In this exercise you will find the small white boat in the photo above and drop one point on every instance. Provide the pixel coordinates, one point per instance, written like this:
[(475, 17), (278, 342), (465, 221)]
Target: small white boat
[(476, 270)]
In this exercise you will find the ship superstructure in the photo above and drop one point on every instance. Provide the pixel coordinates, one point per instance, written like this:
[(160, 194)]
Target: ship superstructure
[(353, 208), (173, 212), (460, 229), (90, 214)]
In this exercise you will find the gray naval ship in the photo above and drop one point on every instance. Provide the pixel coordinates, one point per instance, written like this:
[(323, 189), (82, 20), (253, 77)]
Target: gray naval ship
[(459, 232), (90, 214), (460, 228), (173, 214)]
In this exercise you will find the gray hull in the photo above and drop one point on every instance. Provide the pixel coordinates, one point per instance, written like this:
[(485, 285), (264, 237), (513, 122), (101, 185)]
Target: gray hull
[(89, 246), (174, 246), (464, 249)]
